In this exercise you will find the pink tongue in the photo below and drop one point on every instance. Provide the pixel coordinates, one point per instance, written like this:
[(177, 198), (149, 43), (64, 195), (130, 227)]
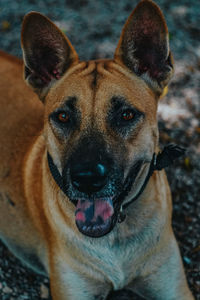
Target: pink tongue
[(96, 211)]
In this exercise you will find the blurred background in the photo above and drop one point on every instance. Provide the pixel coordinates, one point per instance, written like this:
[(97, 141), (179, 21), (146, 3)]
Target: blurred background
[(94, 28)]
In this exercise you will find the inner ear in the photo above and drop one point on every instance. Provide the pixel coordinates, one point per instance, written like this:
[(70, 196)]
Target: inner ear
[(47, 52), (144, 45)]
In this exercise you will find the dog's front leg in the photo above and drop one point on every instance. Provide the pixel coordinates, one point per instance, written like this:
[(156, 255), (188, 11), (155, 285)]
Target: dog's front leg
[(167, 281), (68, 284)]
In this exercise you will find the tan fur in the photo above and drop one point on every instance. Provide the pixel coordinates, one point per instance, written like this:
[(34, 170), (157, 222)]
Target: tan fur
[(37, 219)]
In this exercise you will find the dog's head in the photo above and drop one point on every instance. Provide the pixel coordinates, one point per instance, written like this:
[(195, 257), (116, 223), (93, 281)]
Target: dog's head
[(100, 116)]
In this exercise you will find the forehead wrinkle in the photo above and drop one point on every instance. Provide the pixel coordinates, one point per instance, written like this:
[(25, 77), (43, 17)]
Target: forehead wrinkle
[(93, 73), (94, 88), (88, 69), (99, 107)]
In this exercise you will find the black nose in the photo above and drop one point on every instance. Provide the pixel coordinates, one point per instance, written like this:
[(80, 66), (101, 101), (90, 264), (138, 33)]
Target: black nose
[(88, 178)]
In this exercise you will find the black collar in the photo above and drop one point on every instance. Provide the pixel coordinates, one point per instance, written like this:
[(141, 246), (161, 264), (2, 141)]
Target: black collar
[(159, 161)]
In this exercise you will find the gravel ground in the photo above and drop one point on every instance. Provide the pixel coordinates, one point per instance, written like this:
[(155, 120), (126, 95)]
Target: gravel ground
[(94, 28)]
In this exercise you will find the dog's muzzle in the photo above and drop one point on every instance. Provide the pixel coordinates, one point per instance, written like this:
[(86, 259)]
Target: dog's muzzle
[(97, 214)]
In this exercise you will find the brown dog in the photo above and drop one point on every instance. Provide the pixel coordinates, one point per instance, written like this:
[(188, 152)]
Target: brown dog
[(75, 166)]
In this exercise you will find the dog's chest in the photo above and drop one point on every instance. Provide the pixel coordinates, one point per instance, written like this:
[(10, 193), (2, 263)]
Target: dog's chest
[(119, 267), (117, 263)]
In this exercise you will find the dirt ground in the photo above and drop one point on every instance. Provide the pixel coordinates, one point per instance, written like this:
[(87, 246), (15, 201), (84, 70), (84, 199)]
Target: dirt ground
[(94, 28)]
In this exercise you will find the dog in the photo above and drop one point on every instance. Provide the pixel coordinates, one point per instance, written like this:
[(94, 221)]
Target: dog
[(84, 198)]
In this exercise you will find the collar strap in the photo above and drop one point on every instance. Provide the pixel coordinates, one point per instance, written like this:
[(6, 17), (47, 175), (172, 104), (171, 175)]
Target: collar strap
[(55, 173), (160, 161)]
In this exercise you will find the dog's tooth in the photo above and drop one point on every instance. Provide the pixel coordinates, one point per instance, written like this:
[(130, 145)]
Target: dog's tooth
[(89, 228), (95, 227)]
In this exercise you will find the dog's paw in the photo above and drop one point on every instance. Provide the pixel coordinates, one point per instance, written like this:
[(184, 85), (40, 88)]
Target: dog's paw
[(123, 295)]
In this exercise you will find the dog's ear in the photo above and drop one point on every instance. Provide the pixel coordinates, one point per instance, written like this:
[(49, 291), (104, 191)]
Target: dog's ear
[(144, 46), (47, 52)]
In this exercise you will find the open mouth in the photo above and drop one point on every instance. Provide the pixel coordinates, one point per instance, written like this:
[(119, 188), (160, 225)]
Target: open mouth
[(97, 217), (94, 217)]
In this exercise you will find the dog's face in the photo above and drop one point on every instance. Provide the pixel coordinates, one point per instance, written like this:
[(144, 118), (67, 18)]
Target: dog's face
[(100, 116), (99, 134)]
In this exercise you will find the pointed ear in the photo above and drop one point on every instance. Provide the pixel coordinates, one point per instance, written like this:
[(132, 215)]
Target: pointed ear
[(47, 52), (144, 46)]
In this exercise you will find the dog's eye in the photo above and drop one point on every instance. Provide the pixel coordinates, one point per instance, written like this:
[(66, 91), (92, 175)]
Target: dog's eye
[(63, 117), (128, 115), (123, 118)]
